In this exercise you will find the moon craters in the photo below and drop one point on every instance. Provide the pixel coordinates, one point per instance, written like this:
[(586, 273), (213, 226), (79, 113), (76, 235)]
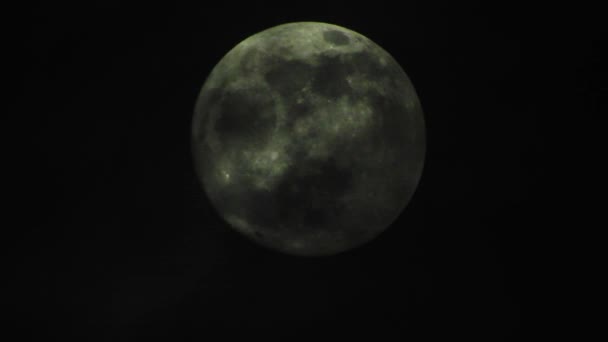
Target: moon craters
[(288, 76), (336, 37), (308, 138), (244, 116), (331, 77)]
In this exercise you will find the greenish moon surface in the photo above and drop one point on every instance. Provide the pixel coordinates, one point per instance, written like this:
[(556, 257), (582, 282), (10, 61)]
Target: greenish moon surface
[(308, 138)]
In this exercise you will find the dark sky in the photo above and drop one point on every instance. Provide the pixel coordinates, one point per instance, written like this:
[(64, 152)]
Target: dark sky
[(120, 243)]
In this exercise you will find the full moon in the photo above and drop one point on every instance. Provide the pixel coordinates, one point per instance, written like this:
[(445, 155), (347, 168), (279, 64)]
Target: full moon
[(308, 138)]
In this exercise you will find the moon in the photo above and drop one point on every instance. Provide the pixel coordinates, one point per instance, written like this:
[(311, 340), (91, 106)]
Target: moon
[(308, 138)]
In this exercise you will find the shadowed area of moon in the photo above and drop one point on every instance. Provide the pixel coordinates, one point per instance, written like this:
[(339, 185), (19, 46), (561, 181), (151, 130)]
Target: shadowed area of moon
[(308, 138)]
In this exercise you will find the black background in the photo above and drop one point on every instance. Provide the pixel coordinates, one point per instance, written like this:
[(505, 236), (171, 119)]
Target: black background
[(119, 242)]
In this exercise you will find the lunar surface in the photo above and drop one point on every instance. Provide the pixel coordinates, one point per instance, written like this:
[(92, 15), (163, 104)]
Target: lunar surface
[(308, 138)]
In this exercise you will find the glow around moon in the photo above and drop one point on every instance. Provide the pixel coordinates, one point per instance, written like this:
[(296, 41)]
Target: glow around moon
[(308, 138)]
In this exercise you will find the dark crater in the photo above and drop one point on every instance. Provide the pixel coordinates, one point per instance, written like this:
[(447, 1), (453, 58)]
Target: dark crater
[(300, 110), (288, 77), (330, 77), (336, 37), (241, 116)]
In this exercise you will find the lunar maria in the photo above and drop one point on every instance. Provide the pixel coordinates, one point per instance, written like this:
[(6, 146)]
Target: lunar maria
[(308, 138)]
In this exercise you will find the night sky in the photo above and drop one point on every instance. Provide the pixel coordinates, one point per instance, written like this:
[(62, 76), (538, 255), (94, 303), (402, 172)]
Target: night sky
[(119, 242)]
